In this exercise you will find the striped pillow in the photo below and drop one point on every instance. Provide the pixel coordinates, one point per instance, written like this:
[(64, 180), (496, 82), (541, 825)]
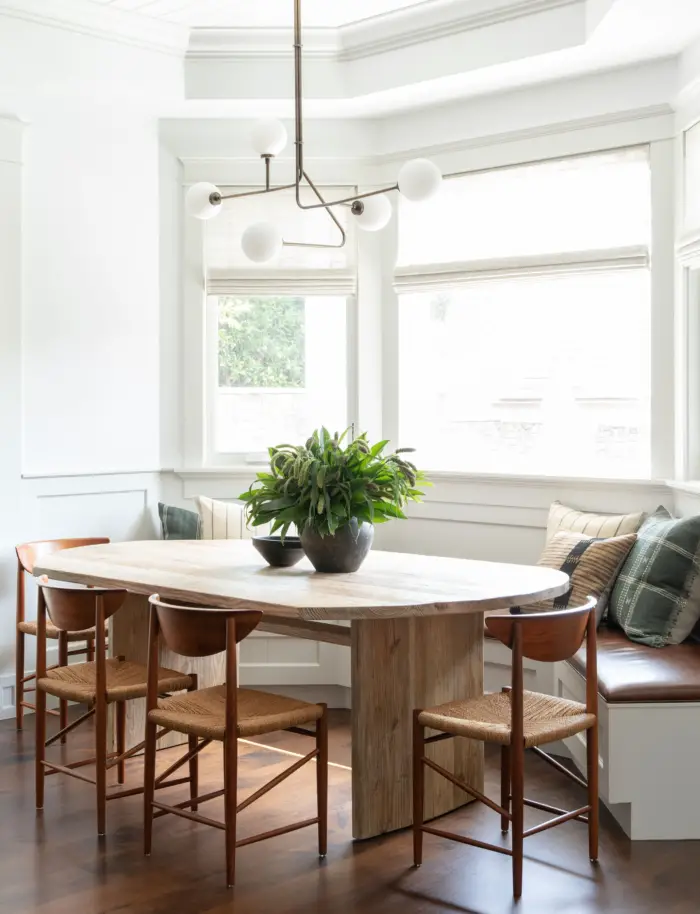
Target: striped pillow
[(592, 565), (565, 519), (221, 520)]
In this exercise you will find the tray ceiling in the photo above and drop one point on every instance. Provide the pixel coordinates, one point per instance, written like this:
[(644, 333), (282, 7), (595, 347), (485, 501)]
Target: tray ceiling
[(270, 13)]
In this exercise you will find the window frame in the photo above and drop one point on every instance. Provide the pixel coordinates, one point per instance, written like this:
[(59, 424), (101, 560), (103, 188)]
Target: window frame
[(259, 287)]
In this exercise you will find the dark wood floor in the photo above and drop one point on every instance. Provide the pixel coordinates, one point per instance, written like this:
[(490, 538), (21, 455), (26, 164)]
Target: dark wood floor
[(54, 862)]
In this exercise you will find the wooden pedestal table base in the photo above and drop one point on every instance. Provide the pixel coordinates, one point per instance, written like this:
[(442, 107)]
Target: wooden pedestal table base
[(399, 665)]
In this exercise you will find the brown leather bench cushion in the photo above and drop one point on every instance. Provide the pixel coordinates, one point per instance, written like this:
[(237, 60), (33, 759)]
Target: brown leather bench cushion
[(634, 672)]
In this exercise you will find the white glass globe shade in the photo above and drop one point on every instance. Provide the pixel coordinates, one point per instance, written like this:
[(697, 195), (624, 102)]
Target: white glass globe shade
[(261, 242), (376, 215), (198, 202), (268, 137), (419, 179)]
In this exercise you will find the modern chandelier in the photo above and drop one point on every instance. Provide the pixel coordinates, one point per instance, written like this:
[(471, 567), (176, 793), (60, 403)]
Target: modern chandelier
[(418, 180)]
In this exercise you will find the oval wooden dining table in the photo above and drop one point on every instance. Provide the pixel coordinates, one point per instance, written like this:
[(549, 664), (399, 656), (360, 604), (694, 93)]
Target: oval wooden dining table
[(416, 640)]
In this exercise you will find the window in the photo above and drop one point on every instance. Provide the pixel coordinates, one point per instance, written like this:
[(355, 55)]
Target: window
[(525, 344), (281, 366), (277, 334)]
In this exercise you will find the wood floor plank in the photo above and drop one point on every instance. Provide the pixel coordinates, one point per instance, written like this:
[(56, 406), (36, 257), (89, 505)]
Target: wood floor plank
[(54, 864)]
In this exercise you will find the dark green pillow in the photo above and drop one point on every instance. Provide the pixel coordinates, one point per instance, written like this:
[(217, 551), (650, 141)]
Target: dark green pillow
[(656, 598), (179, 523)]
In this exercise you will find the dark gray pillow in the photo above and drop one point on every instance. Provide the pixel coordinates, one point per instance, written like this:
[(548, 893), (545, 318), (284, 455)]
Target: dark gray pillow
[(179, 523), (656, 598)]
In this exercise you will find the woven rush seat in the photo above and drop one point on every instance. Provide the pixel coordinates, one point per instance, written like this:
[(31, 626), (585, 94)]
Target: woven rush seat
[(488, 718), (30, 628), (203, 713), (125, 680)]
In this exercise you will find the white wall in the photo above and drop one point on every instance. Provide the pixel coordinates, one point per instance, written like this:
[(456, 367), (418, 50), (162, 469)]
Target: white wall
[(91, 305), (80, 325)]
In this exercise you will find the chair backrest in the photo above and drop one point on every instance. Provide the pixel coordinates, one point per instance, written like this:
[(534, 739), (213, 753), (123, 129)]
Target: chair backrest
[(72, 609), (550, 637), (193, 631), (29, 553), (546, 636), (198, 631)]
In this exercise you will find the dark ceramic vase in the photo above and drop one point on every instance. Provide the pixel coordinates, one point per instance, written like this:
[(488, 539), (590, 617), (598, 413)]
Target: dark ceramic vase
[(341, 553)]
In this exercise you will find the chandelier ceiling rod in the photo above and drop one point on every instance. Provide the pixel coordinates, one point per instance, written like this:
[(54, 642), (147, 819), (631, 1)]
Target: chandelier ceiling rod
[(418, 179)]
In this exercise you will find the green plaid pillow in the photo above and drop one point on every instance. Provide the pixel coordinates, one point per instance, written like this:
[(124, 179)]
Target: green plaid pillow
[(179, 524), (656, 598)]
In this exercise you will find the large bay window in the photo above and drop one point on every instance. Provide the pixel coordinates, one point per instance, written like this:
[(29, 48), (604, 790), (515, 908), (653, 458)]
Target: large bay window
[(276, 337), (524, 320), (515, 324)]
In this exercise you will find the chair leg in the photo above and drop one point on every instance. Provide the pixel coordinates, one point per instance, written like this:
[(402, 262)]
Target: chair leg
[(505, 786), (149, 779), (90, 651), (101, 763), (121, 741), (322, 781), (194, 761), (230, 801), (63, 704), (19, 680), (40, 748), (418, 788), (517, 776), (592, 771)]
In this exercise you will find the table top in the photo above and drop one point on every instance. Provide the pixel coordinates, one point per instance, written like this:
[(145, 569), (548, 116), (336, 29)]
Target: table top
[(231, 574)]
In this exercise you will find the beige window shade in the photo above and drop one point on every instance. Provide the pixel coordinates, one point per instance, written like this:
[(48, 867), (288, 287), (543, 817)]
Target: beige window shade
[(573, 204)]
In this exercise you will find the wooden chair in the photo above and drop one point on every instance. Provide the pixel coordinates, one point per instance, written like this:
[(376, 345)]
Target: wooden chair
[(223, 713), (27, 556), (519, 720), (97, 684)]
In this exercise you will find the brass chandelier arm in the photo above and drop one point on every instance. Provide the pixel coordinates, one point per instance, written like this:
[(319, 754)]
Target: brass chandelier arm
[(299, 136), (348, 200), (326, 206), (255, 193)]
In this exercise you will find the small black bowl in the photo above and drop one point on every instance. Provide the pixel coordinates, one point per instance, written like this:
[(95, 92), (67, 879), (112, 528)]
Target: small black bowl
[(277, 553)]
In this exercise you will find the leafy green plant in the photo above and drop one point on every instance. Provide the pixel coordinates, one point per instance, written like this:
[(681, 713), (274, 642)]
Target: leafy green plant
[(323, 485)]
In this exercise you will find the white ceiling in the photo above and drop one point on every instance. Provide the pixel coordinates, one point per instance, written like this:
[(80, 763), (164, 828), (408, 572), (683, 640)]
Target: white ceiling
[(265, 13)]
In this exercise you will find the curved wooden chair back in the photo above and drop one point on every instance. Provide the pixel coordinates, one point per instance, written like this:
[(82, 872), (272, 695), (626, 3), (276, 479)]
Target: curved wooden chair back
[(192, 631), (546, 636), (550, 637), (199, 632), (29, 553), (73, 609)]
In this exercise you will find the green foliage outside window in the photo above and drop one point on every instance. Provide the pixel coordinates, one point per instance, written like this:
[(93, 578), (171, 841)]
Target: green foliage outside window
[(261, 341)]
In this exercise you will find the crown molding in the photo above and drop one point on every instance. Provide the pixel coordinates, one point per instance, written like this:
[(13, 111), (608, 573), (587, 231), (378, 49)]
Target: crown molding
[(688, 250), (418, 25), (393, 31), (260, 44), (527, 133), (101, 21)]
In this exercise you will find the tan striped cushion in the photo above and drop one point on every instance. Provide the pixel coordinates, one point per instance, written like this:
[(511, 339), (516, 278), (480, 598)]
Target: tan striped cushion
[(592, 566), (221, 520), (562, 518)]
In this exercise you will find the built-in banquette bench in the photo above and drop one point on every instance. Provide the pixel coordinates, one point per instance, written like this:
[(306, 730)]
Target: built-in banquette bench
[(649, 733)]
